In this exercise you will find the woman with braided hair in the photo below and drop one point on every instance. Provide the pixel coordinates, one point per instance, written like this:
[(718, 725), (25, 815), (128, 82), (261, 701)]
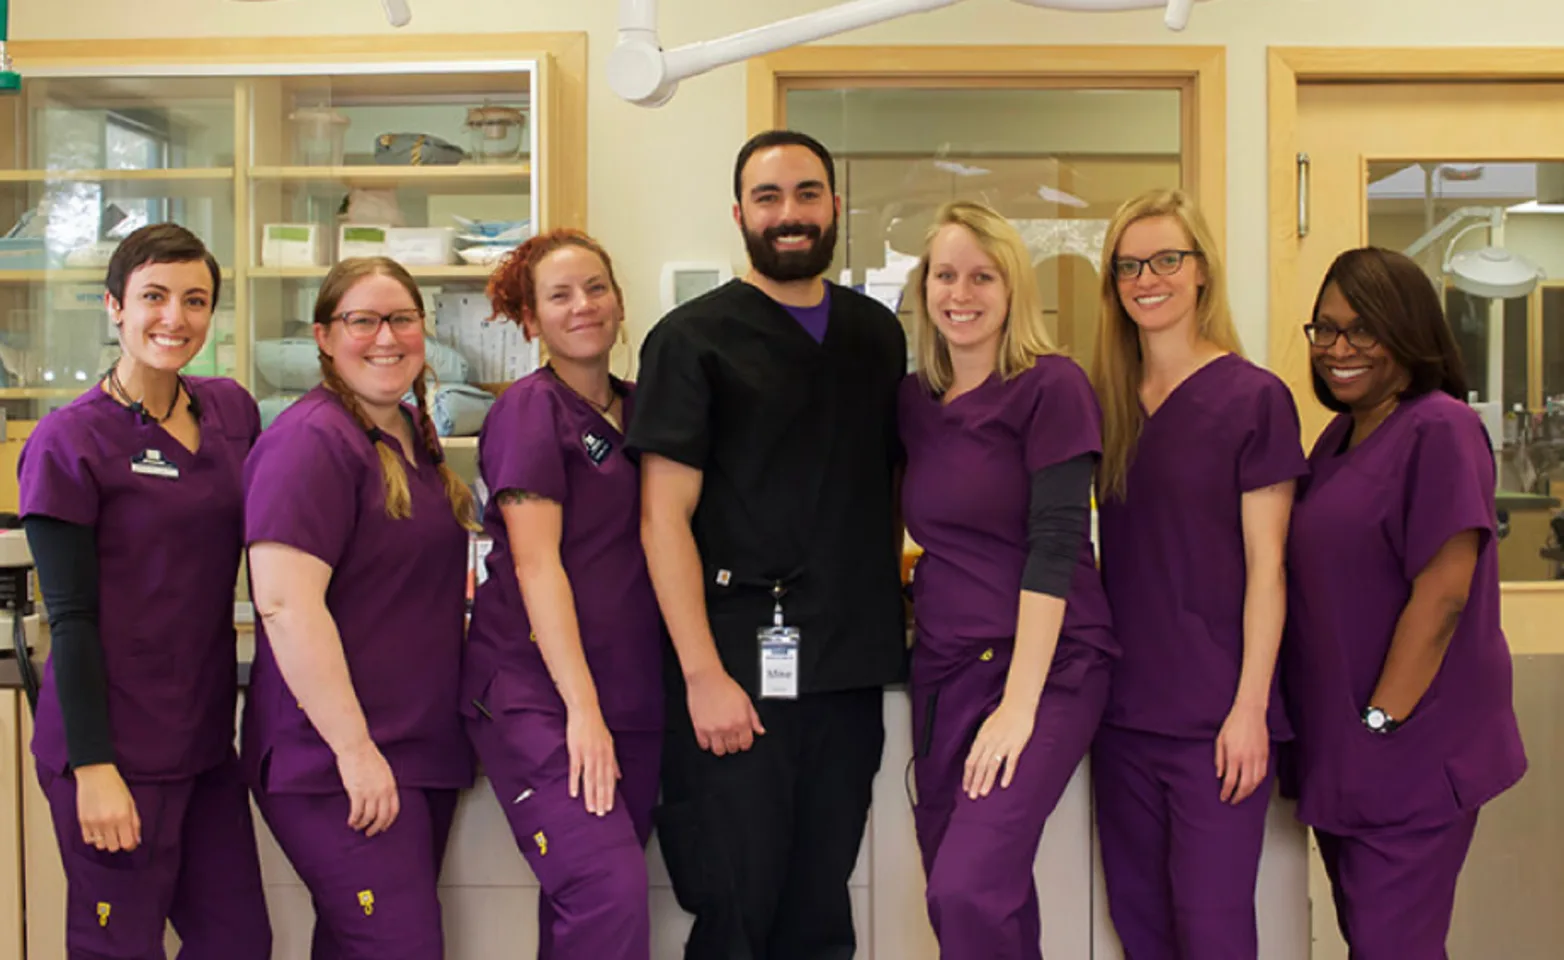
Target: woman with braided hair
[(357, 536)]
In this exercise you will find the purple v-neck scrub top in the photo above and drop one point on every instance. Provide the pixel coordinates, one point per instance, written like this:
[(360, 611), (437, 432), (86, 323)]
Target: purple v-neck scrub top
[(1365, 524), (542, 438), (966, 497), (1173, 548), (168, 556), (397, 594)]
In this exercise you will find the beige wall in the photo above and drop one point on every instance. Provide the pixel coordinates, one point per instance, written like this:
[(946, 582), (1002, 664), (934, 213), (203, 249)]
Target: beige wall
[(659, 179)]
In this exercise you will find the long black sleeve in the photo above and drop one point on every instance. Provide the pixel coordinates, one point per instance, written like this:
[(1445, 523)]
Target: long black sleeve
[(1058, 518), (67, 561)]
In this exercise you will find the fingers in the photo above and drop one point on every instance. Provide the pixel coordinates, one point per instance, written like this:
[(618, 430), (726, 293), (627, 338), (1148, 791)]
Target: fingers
[(1221, 758), (357, 810), (135, 823), (576, 770), (754, 721), (1010, 772)]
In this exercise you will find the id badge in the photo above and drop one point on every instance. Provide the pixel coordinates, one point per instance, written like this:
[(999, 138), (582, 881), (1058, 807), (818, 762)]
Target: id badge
[(778, 662), (151, 463)]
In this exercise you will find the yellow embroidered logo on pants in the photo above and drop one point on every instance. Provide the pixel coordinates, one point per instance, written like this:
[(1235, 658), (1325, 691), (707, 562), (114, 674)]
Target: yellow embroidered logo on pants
[(987, 655), (366, 899), (103, 914), (542, 842)]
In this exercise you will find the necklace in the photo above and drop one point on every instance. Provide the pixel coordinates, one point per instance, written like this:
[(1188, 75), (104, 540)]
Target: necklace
[(136, 407), (602, 408)]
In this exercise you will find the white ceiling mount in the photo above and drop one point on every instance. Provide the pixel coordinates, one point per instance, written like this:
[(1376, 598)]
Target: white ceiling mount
[(642, 72)]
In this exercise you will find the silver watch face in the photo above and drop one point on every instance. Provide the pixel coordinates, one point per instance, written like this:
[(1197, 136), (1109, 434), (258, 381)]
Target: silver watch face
[(1375, 719)]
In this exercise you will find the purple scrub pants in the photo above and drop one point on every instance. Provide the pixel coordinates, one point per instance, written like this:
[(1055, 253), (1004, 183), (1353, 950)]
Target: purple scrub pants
[(196, 867), (592, 869), (978, 855), (374, 897), (1180, 865), (1395, 890)]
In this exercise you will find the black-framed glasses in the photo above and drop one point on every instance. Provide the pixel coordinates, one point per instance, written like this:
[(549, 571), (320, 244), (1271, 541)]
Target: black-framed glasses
[(1163, 263), (365, 324), (1323, 335)]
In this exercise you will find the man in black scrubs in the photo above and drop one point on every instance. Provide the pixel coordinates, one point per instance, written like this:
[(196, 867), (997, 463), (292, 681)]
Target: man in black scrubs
[(765, 417)]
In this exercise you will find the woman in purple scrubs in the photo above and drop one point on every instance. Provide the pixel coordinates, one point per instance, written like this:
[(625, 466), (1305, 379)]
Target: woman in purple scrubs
[(562, 683), (1200, 453), (1398, 675), (131, 499), (1011, 662), (357, 534)]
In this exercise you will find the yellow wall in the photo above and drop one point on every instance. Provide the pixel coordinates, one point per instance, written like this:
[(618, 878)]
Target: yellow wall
[(659, 179)]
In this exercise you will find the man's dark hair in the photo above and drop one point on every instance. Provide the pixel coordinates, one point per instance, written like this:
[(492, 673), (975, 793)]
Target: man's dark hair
[(158, 243), (781, 138)]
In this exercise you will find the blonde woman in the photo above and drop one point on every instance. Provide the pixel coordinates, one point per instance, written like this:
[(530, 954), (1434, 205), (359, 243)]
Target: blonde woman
[(1200, 452), (1010, 668), (357, 535)]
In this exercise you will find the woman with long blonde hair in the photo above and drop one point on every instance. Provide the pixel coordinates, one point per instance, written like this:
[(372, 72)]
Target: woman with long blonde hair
[(357, 534), (1011, 663), (1200, 452)]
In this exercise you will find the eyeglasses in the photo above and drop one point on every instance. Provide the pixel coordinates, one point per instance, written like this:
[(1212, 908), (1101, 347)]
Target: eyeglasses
[(365, 324), (1323, 335), (1163, 263)]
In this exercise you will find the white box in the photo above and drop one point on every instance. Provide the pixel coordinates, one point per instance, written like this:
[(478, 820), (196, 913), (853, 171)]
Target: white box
[(362, 240), (421, 246), (291, 245)]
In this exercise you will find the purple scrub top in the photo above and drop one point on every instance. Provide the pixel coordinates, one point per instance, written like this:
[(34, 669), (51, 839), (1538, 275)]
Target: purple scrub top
[(397, 594), (542, 438), (1173, 549), (966, 498), (168, 563), (1365, 524)]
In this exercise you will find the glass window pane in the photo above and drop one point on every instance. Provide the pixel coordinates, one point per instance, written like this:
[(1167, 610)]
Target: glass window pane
[(1056, 162)]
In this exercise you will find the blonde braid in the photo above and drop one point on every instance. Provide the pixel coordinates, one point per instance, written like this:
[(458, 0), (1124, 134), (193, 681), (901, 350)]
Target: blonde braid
[(399, 499), (456, 489)]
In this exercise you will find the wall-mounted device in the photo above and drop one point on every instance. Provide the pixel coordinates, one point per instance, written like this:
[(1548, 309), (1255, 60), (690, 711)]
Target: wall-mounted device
[(18, 616), (685, 280)]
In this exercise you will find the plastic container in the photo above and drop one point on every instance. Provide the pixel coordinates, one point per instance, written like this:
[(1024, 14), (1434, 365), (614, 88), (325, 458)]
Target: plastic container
[(495, 133), (319, 136)]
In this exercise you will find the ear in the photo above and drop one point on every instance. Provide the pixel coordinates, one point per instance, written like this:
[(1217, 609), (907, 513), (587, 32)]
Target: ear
[(530, 328), (738, 215), (320, 337), (114, 308), (836, 202)]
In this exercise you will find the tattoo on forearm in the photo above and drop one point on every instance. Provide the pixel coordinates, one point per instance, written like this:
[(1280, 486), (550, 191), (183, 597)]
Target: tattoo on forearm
[(507, 498)]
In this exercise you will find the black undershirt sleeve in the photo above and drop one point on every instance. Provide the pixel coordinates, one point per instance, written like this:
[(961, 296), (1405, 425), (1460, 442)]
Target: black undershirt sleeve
[(1058, 518), (67, 561)]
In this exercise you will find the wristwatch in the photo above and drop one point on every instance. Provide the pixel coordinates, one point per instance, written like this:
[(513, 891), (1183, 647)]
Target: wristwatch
[(1378, 721)]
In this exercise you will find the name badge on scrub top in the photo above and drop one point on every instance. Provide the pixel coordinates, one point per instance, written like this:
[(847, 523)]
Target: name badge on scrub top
[(778, 655), (151, 463)]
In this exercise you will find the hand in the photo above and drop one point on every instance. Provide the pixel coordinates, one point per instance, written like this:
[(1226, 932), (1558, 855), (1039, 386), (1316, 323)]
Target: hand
[(106, 809), (999, 743), (594, 770), (1243, 753), (724, 717), (371, 789)]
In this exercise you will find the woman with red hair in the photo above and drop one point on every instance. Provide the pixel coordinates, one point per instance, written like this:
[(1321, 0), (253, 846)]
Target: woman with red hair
[(562, 685)]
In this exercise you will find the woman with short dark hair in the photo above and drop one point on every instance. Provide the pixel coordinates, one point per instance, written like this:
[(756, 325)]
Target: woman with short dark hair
[(1398, 674), (132, 502)]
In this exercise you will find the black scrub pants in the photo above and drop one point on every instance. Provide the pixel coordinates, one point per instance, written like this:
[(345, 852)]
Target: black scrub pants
[(760, 845)]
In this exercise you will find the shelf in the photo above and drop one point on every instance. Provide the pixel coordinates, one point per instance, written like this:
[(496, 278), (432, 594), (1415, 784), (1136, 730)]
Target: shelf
[(469, 178), (449, 272), (160, 174), (67, 275), (41, 393)]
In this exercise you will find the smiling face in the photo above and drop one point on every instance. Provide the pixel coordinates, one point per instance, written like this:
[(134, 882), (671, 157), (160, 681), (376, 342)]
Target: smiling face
[(166, 314), (787, 213), (577, 314), (1361, 378), (965, 293), (379, 369), (1155, 302)]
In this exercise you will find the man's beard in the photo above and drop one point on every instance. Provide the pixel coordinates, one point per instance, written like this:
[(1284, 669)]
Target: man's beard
[(787, 266)]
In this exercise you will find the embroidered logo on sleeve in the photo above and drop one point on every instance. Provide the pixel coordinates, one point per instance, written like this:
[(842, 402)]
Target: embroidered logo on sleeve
[(542, 842), (366, 899)]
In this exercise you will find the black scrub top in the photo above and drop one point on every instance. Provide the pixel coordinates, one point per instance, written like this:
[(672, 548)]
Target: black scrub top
[(798, 447)]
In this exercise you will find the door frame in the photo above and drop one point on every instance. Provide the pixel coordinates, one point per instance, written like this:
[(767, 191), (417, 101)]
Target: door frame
[(1199, 72), (1287, 67), (1530, 608)]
